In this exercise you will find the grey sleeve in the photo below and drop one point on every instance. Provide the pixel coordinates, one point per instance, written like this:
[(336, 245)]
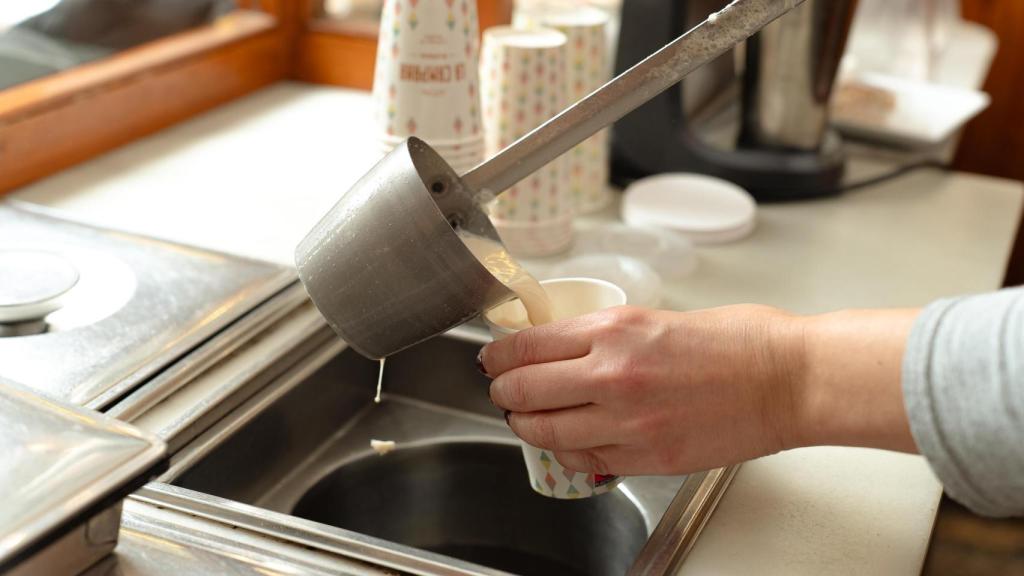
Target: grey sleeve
[(963, 386)]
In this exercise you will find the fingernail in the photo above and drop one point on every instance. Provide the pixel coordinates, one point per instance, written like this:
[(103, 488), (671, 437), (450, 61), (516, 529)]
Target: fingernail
[(508, 413), (480, 363)]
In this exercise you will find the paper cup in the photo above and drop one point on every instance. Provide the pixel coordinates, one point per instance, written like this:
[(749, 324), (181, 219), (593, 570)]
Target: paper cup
[(458, 155), (425, 81), (436, 143), (570, 297), (522, 86), (586, 70)]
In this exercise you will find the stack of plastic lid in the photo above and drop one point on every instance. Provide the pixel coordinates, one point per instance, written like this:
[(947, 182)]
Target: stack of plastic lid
[(707, 210), (637, 279), (669, 254), (665, 216), (635, 259)]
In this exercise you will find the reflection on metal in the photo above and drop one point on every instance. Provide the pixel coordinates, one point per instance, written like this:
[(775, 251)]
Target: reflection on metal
[(215, 377), (162, 542), (33, 284), (139, 304), (63, 472), (683, 522)]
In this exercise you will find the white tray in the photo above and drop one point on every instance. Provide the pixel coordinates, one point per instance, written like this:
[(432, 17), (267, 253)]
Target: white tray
[(925, 114)]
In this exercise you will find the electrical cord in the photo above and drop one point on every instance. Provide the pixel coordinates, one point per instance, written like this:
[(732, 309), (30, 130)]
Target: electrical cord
[(893, 174)]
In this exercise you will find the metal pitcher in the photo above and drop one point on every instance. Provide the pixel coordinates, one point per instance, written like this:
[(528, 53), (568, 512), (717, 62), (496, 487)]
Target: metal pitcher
[(386, 267)]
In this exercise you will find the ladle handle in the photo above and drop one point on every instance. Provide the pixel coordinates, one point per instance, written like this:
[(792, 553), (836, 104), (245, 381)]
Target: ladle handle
[(623, 94)]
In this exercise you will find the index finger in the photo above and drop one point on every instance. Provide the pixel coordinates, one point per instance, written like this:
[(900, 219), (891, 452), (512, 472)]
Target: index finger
[(562, 340)]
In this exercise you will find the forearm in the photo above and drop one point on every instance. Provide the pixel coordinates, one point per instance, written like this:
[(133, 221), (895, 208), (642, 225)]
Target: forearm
[(848, 392)]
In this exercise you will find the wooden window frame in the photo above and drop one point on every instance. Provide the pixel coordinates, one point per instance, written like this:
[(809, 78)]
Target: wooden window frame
[(58, 121)]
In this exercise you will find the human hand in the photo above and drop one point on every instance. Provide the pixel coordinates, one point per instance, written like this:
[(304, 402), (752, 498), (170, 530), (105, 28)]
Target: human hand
[(632, 391)]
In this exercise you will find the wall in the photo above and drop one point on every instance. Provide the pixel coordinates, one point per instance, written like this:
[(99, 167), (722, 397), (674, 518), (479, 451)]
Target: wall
[(994, 142)]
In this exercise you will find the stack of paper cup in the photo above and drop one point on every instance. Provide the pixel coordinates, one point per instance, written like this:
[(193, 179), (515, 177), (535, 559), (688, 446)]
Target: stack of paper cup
[(426, 83), (522, 82), (587, 70), (531, 13)]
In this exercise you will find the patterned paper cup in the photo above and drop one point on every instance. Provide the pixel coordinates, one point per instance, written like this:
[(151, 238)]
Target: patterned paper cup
[(586, 70), (476, 141), (455, 152), (425, 82), (522, 86), (570, 297)]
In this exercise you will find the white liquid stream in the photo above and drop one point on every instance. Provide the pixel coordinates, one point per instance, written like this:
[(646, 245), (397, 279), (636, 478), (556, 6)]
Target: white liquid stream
[(502, 266), (380, 380)]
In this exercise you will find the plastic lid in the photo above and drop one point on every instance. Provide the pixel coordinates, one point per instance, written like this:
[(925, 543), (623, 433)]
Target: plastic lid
[(706, 209), (639, 281), (670, 254)]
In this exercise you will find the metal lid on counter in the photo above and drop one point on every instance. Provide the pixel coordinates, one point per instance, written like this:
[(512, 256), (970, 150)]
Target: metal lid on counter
[(60, 467), (129, 306), (34, 282)]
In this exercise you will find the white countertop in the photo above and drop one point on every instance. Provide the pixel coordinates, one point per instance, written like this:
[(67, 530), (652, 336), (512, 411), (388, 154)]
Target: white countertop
[(253, 176)]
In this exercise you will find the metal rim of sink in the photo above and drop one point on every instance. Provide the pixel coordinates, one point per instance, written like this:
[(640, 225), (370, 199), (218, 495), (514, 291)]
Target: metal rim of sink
[(663, 554)]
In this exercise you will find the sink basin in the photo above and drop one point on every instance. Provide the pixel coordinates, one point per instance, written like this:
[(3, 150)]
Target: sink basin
[(292, 460), (473, 501)]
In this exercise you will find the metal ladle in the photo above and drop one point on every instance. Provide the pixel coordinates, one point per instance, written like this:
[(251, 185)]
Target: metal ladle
[(385, 266)]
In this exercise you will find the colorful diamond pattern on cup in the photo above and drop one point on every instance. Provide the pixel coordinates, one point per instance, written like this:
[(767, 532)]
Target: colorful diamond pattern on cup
[(588, 70), (534, 217), (554, 480)]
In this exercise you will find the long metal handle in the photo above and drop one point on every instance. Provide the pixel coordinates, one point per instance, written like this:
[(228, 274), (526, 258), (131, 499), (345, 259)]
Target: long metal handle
[(713, 37)]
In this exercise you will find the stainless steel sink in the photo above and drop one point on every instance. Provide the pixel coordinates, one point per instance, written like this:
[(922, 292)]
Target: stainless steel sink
[(456, 485), (290, 458), (472, 500)]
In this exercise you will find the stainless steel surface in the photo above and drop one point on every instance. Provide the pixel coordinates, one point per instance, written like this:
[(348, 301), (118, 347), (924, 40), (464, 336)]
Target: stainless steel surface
[(60, 466), (386, 268), (139, 304), (472, 500), (280, 528), (790, 75), (710, 39), (318, 418), (28, 328), (208, 355), (689, 512), (163, 542), (32, 283), (76, 550), (704, 86), (216, 377), (384, 265)]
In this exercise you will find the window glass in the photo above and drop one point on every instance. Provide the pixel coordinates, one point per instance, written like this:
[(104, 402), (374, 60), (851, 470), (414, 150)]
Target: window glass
[(41, 37)]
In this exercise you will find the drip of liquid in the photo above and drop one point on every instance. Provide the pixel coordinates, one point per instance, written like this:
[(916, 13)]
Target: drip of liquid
[(502, 266), (380, 381)]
